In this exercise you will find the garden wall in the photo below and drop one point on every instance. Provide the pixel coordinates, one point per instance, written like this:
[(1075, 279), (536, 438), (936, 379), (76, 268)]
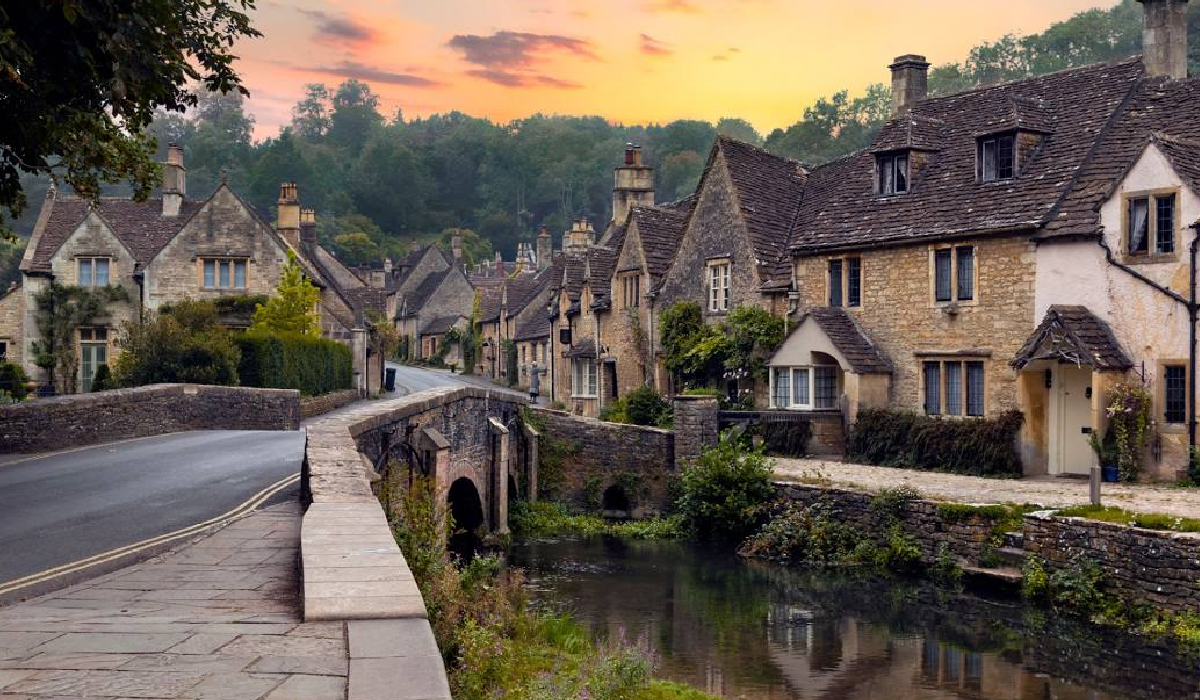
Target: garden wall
[(964, 535), (312, 406), (1158, 567), (61, 422), (579, 458)]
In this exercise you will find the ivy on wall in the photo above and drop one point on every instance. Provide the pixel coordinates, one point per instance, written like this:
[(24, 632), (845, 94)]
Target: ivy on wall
[(736, 349), (60, 311)]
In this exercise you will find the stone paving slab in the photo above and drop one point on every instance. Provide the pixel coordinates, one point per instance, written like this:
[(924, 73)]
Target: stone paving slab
[(1052, 492), (218, 619)]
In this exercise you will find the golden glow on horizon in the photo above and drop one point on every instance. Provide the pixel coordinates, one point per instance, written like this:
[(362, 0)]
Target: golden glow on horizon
[(632, 61)]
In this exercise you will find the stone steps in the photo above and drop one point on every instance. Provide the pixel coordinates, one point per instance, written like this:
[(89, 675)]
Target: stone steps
[(1005, 579), (1010, 557), (1014, 539)]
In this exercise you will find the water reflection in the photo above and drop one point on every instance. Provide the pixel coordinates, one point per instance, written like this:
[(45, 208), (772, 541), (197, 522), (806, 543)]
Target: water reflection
[(763, 632)]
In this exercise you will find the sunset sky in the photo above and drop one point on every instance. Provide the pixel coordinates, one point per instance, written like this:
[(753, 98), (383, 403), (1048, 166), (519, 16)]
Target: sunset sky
[(631, 61)]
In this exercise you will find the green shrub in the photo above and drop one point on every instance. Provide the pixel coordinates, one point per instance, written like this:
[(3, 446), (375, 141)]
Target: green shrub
[(185, 345), (803, 534), (12, 380), (786, 438), (982, 447), (644, 406), (313, 365), (103, 381), (725, 493)]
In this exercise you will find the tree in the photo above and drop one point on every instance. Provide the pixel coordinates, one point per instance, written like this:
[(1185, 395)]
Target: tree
[(356, 248), (80, 82), (355, 116), (739, 129), (475, 248), (293, 308), (310, 116)]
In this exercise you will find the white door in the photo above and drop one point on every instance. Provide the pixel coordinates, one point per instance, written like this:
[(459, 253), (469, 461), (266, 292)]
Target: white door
[(1075, 419)]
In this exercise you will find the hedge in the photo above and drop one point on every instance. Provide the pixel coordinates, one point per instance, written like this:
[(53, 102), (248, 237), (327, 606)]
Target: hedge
[(981, 447), (313, 365)]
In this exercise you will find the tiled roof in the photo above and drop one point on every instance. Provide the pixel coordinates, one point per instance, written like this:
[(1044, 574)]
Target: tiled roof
[(582, 348), (426, 289), (910, 132), (366, 298), (440, 325), (140, 226), (1019, 113), (1073, 334), (848, 338), (842, 210), (1184, 156), (769, 191), (536, 326), (660, 229)]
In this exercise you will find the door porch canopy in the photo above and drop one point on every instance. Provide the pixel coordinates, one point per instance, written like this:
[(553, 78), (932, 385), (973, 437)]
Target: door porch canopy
[(1072, 334)]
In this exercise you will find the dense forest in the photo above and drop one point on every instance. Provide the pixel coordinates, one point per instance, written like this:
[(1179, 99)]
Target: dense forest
[(380, 182)]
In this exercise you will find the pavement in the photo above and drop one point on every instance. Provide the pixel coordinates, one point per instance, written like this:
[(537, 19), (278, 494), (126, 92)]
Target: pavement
[(217, 619), (1052, 492), (69, 507)]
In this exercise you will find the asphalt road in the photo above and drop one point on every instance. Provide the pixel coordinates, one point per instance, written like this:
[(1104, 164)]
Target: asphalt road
[(410, 380), (62, 508)]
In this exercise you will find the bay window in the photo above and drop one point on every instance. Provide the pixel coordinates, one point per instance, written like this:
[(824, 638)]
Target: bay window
[(805, 388)]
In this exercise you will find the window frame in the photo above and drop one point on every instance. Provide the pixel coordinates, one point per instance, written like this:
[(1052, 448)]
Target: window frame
[(810, 373), (995, 141), (967, 404), (1163, 399), (888, 169), (1155, 249), (953, 253), (92, 260), (849, 268), (717, 280), (631, 289), (223, 267), (584, 370)]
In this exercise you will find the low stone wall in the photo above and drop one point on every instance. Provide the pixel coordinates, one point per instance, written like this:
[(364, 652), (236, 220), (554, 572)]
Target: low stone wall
[(85, 419), (580, 458), (828, 430), (1162, 568), (963, 537), (313, 406)]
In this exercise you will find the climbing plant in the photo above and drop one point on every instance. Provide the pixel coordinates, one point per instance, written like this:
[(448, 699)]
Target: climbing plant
[(510, 360), (1129, 410), (59, 311), (737, 349)]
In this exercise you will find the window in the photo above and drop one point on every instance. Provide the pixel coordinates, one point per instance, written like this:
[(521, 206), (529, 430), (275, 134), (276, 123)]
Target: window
[(583, 382), (825, 387), (893, 173), (223, 273), (783, 387), (954, 274), (93, 352), (1150, 224), (1175, 394), (718, 286), (94, 272), (631, 290), (953, 387), (997, 158), (835, 282), (805, 388), (845, 282), (3, 350)]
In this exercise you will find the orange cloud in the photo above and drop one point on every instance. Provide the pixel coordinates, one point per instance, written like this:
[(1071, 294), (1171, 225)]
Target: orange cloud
[(653, 47), (514, 59)]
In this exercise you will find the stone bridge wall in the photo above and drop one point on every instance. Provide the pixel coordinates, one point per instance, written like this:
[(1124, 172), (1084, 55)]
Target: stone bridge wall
[(62, 422)]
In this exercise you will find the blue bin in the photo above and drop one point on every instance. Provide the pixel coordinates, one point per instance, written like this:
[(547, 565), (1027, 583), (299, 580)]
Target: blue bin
[(1110, 474)]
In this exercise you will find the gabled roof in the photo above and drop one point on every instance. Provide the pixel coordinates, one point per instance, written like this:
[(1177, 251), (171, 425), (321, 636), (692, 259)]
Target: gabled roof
[(769, 190), (850, 341), (584, 348), (1184, 156), (535, 327), (424, 291), (440, 325), (909, 133), (841, 209), (660, 228), (139, 226), (1158, 109), (1073, 334)]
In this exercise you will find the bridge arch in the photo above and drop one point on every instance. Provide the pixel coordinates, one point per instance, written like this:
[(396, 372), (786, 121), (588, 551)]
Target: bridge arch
[(615, 499), (466, 504)]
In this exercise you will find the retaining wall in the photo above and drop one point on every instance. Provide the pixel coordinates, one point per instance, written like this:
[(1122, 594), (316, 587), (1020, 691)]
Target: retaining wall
[(1159, 567), (85, 419), (313, 406), (579, 458)]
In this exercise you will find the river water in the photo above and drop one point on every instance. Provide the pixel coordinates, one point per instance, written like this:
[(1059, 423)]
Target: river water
[(759, 631)]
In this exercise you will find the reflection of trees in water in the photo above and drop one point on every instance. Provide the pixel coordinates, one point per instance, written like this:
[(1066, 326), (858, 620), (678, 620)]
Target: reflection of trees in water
[(744, 628)]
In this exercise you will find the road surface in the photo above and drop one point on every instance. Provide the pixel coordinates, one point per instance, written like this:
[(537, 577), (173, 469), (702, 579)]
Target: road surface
[(410, 380), (65, 507)]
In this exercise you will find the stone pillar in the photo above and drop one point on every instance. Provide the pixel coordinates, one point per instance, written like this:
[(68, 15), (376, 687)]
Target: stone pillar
[(697, 424), (532, 438), (910, 83), (500, 475)]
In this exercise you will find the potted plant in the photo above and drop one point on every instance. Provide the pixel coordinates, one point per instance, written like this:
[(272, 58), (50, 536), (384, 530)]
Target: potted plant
[(1106, 454)]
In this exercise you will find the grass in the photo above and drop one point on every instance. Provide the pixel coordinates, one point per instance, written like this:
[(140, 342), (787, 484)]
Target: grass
[(1120, 516), (546, 518)]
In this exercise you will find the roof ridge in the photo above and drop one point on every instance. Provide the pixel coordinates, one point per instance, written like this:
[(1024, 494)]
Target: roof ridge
[(1114, 63)]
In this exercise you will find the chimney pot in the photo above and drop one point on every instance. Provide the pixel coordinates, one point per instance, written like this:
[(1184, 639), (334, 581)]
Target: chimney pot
[(910, 82), (174, 185), (1165, 38), (288, 217)]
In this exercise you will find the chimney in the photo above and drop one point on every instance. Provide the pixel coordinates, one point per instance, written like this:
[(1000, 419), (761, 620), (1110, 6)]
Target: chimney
[(174, 187), (288, 216), (1164, 38), (308, 227), (910, 83), (456, 246), (544, 247), (499, 265), (387, 266), (633, 184)]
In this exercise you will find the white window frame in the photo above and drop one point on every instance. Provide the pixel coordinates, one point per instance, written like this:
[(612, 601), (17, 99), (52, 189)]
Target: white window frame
[(717, 280), (584, 371), (92, 266), (794, 401), (229, 265)]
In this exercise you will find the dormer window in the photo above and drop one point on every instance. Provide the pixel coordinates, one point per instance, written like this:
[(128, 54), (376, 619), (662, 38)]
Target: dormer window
[(893, 173), (997, 158)]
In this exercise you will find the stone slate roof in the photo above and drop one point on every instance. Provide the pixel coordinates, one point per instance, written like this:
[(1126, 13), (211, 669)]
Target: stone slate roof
[(1159, 110), (842, 211), (440, 325), (848, 338), (535, 327), (660, 229), (584, 348), (1020, 113), (426, 289), (366, 298), (521, 291), (910, 132), (769, 191), (1073, 334), (140, 226)]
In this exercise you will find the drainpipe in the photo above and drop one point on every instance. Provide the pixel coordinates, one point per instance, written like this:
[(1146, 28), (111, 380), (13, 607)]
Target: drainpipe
[(1192, 314), (139, 277), (599, 362)]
